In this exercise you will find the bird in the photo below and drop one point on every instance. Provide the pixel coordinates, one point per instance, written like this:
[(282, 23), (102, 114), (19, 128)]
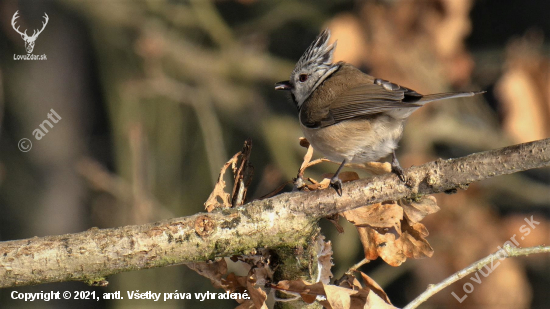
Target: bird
[(350, 116)]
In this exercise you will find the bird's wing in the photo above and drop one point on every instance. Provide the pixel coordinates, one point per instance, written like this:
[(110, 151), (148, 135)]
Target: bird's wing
[(370, 99)]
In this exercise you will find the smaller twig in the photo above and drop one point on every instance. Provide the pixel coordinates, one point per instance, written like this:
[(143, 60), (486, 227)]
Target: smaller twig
[(313, 181), (315, 162), (277, 190), (503, 253), (355, 267)]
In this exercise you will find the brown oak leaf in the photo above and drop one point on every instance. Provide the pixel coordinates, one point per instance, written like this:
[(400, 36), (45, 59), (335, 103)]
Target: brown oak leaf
[(373, 286), (376, 215), (395, 250), (211, 270), (417, 210)]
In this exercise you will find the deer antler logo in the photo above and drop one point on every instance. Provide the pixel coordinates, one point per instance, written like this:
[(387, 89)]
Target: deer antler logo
[(29, 40)]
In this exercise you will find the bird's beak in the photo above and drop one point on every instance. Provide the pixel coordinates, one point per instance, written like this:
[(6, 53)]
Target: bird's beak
[(284, 85)]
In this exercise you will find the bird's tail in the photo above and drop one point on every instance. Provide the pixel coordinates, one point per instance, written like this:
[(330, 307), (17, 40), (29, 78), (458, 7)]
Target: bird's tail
[(447, 95)]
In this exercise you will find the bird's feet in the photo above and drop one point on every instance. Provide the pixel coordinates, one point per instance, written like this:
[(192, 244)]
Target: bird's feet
[(398, 170), (336, 184)]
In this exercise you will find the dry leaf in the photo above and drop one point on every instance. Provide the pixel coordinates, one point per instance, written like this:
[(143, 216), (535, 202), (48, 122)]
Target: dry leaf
[(376, 244), (243, 175), (242, 284), (348, 176), (257, 296), (234, 283), (391, 231), (325, 183), (376, 168), (308, 292), (375, 302), (334, 220), (307, 159), (417, 210), (338, 297), (324, 260), (211, 270), (394, 251), (377, 215), (258, 266), (412, 240), (373, 286), (242, 179), (349, 281), (218, 197)]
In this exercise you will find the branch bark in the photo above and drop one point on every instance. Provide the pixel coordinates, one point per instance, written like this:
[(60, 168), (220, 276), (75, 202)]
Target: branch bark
[(286, 220)]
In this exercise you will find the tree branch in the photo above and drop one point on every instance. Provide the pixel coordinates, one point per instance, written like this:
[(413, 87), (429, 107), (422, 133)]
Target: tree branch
[(286, 220), (506, 252)]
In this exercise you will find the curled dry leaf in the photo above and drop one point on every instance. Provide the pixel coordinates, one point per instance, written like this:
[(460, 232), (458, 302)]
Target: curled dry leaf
[(377, 244), (395, 250), (337, 297), (258, 266), (308, 292), (373, 286), (219, 198), (242, 176), (379, 300), (245, 284), (234, 283), (324, 260), (211, 270), (377, 215), (392, 231), (417, 210), (259, 275), (347, 176), (412, 240), (334, 220), (375, 168), (375, 302), (325, 183), (349, 281), (307, 160), (257, 297)]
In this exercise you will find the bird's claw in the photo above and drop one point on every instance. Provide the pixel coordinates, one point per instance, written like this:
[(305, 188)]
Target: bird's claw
[(398, 170), (336, 184)]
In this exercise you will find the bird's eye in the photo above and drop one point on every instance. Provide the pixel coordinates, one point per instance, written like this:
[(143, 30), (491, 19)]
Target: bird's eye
[(303, 77)]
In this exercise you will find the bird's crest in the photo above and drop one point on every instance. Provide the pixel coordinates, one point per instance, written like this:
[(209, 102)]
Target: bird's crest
[(318, 54)]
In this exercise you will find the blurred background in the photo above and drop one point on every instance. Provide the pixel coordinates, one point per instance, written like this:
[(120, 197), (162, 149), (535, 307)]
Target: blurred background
[(154, 96)]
